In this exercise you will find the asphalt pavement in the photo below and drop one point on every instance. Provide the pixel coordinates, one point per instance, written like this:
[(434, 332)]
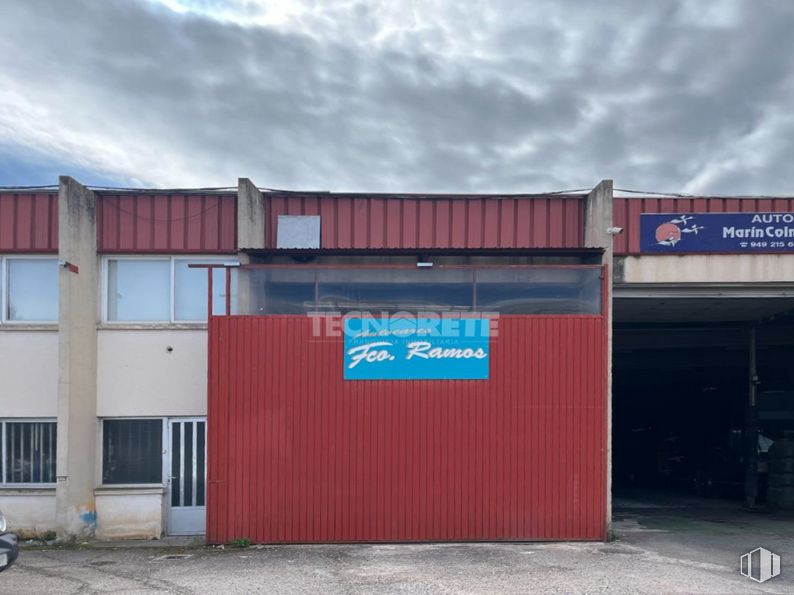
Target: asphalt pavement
[(678, 546)]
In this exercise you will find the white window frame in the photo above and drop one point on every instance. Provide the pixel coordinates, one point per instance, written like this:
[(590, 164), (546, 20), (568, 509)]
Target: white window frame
[(100, 460), (172, 260), (4, 288), (3, 471)]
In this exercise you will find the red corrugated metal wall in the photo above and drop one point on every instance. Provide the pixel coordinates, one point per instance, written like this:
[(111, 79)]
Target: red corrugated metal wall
[(352, 221), (29, 222), (167, 223), (296, 454), (627, 212)]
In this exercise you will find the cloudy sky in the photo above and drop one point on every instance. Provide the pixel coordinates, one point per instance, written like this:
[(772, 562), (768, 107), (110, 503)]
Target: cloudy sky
[(438, 95)]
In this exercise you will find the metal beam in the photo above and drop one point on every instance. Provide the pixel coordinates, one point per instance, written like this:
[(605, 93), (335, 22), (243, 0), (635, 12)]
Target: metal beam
[(691, 291)]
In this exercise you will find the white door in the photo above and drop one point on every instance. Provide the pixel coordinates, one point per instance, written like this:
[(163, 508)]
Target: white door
[(187, 483)]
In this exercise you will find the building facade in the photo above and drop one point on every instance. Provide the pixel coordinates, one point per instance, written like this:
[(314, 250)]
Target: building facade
[(124, 414)]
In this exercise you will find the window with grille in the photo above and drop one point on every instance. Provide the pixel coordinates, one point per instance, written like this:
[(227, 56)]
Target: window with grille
[(29, 452), (132, 451)]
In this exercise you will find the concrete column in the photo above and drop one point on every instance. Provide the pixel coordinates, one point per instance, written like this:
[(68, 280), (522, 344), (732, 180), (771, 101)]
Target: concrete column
[(598, 219), (77, 360), (251, 233), (251, 216)]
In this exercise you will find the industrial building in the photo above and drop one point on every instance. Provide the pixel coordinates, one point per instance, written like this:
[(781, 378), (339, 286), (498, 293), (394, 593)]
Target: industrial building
[(386, 367)]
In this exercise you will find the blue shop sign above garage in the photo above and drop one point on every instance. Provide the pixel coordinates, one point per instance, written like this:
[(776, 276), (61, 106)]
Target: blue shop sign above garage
[(416, 348), (717, 232)]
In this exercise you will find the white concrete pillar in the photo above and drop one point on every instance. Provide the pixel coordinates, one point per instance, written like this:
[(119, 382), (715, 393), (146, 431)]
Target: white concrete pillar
[(598, 221), (251, 216), (251, 233), (77, 360)]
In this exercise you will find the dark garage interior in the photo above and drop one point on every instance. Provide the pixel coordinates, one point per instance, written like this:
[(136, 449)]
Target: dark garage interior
[(682, 420)]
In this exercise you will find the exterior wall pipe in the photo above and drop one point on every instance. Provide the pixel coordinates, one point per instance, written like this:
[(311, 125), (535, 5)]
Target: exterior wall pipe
[(597, 221), (77, 361)]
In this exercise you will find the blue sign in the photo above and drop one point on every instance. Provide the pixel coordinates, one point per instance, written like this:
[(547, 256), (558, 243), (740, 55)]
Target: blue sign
[(717, 232), (416, 348)]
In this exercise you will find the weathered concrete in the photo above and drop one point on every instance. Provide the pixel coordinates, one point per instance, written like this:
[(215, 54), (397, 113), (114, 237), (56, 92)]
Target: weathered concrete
[(29, 369), (251, 216), (77, 360), (175, 382), (130, 513), (652, 555), (251, 233), (29, 511), (598, 219), (708, 268)]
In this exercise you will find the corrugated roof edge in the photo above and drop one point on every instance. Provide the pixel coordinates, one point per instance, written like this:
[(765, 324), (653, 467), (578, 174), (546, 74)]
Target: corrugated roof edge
[(578, 193), (299, 193), (646, 194), (107, 190), (420, 195)]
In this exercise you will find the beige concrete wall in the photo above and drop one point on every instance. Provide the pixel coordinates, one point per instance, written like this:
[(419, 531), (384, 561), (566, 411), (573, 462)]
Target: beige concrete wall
[(130, 513), (29, 372), (707, 268), (138, 376), (29, 512)]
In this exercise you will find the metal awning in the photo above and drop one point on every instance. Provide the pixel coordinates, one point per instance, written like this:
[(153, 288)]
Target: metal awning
[(590, 254)]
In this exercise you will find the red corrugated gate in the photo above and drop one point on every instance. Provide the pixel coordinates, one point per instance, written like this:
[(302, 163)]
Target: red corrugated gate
[(297, 454)]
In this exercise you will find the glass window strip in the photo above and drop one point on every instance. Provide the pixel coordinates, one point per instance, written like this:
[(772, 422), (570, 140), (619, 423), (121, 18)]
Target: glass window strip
[(201, 494), (182, 467), (176, 447), (535, 290), (195, 462)]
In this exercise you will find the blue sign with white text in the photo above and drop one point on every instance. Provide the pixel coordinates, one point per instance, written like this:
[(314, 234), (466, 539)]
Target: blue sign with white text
[(717, 232), (416, 348)]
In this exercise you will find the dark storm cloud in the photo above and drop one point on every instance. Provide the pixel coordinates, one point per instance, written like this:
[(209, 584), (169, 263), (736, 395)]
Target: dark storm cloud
[(506, 97)]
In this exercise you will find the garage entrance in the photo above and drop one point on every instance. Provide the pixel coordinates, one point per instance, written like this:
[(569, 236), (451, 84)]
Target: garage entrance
[(684, 375)]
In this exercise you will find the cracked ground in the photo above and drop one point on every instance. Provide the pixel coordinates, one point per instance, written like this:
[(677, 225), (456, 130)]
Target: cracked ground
[(665, 547)]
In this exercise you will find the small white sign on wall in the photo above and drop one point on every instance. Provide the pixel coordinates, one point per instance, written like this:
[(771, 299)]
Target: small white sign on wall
[(298, 231)]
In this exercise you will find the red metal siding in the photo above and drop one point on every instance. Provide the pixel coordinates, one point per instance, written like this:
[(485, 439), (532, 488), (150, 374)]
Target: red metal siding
[(172, 223), (296, 454), (354, 221), (627, 212), (29, 222)]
